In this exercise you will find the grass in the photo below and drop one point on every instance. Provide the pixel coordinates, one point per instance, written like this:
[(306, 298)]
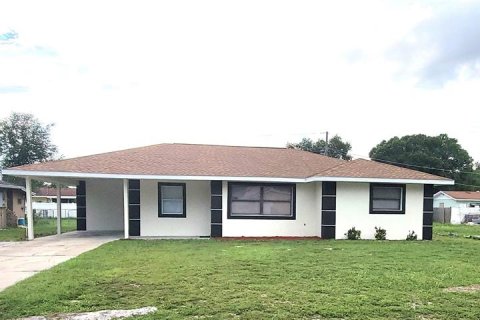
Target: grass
[(274, 279), (43, 227)]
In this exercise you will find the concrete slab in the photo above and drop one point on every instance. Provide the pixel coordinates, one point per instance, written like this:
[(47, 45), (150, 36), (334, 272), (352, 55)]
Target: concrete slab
[(20, 260)]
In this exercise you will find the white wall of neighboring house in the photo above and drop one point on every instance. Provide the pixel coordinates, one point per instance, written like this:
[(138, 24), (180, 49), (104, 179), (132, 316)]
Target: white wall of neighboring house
[(306, 224), (197, 221), (441, 199), (49, 209), (353, 210), (104, 204)]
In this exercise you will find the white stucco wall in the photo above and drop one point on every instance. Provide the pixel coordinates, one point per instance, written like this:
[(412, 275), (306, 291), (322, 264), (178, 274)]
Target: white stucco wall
[(104, 204), (197, 221), (353, 211), (306, 224)]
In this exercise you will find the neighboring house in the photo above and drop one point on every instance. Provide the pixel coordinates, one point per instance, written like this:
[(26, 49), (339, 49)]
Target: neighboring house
[(49, 195), (461, 203), (226, 191), (44, 202), (12, 198)]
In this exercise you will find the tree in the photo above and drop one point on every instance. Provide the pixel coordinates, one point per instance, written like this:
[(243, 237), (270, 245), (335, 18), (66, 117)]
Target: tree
[(439, 155), (24, 140), (337, 148)]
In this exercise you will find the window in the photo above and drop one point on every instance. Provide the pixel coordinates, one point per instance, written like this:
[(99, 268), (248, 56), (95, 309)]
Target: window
[(19, 201), (171, 200), (261, 201), (2, 203), (387, 198)]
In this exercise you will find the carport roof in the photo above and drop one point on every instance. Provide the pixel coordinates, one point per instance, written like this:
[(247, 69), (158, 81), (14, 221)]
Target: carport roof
[(217, 161), (6, 185)]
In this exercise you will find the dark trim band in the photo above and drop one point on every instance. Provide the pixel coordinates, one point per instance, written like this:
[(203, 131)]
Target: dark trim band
[(81, 206), (329, 209), (216, 212), (427, 230), (134, 207)]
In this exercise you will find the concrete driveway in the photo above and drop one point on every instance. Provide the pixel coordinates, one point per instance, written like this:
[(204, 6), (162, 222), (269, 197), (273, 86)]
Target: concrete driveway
[(20, 260)]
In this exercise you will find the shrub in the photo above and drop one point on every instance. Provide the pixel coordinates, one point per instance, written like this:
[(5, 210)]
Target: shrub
[(411, 236), (380, 234), (353, 234)]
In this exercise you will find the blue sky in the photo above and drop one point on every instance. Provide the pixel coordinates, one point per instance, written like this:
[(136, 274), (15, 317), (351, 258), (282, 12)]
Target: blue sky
[(117, 74)]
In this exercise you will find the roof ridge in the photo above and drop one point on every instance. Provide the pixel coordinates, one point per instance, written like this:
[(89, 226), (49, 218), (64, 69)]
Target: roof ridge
[(225, 145)]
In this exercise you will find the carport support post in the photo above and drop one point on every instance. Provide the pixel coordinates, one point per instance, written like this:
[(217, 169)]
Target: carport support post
[(59, 209), (125, 209), (28, 184)]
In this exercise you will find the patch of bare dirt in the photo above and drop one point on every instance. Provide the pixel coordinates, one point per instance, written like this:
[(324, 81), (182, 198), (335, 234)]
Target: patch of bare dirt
[(98, 315), (467, 289)]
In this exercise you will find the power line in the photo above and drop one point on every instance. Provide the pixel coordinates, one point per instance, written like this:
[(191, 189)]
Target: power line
[(400, 163), (411, 165), (467, 185), (425, 167)]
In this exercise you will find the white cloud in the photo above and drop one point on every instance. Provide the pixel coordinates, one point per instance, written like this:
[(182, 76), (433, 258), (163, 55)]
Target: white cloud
[(444, 46), (129, 73)]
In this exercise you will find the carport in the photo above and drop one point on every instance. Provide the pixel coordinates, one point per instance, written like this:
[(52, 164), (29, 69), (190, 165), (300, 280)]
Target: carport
[(107, 198)]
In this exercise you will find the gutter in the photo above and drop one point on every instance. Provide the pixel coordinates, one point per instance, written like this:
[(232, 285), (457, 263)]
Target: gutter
[(79, 175)]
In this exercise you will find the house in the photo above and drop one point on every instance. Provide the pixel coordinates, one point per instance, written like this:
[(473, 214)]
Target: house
[(44, 202), (188, 190), (458, 203), (49, 195), (12, 202)]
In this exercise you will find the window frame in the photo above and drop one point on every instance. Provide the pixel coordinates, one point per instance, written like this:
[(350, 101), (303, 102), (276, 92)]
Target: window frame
[(293, 201), (160, 202), (403, 194)]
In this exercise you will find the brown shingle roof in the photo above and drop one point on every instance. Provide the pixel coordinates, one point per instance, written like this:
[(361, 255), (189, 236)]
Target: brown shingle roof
[(463, 195), (196, 160), (225, 161), (52, 192), (361, 168)]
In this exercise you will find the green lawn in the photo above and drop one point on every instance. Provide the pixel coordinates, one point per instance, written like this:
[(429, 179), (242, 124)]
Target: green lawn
[(274, 279), (42, 227)]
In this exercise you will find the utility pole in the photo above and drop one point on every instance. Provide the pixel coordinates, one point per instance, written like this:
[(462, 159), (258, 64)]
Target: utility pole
[(326, 143)]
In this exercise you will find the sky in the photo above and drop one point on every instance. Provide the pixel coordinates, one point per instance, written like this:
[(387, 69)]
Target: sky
[(118, 74)]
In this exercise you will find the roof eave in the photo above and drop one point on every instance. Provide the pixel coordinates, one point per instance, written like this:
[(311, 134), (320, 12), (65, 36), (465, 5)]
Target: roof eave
[(12, 187), (82, 175), (382, 180)]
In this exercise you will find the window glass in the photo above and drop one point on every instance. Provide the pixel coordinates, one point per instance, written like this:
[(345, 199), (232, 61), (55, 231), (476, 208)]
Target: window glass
[(245, 207), (245, 192), (386, 204), (172, 192), (172, 206), (387, 192), (276, 208), (277, 193)]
